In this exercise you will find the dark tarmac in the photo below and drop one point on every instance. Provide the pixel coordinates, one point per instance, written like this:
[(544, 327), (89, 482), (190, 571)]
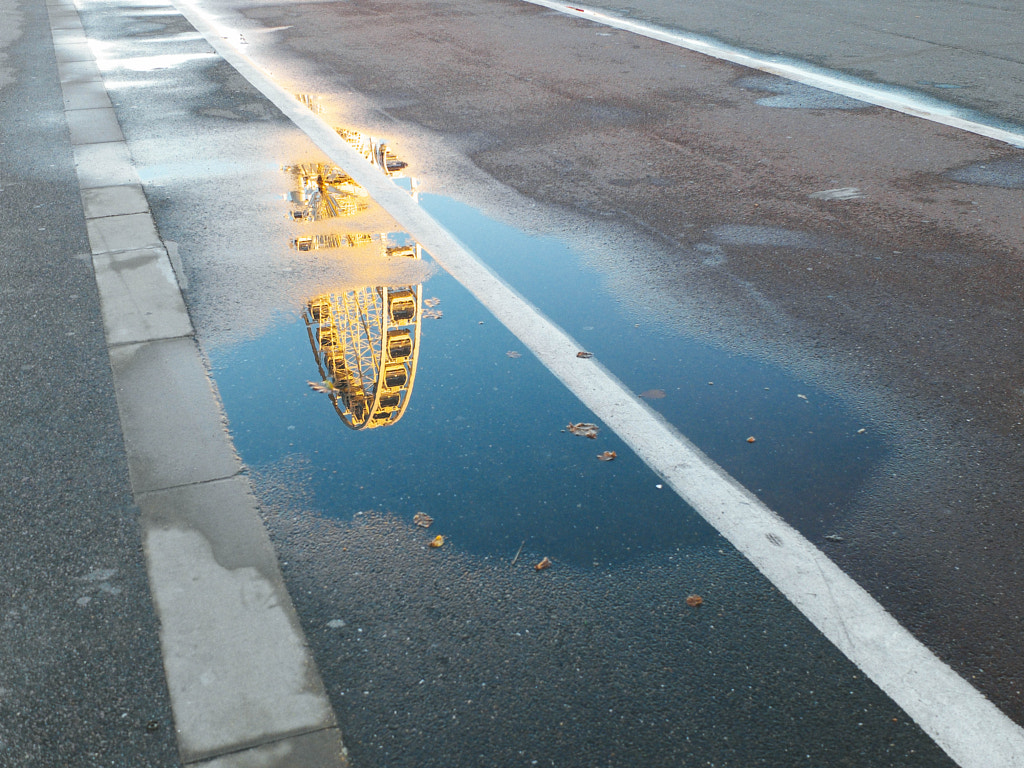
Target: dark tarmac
[(902, 297), (906, 301), (81, 679)]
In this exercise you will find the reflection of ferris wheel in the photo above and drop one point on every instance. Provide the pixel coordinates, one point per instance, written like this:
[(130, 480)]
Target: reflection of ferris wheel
[(366, 343)]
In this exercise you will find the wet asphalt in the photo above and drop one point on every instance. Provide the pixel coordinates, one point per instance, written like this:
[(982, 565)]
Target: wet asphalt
[(452, 660), (81, 678), (696, 189)]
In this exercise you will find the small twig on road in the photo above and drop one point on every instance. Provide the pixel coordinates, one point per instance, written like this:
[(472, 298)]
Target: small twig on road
[(518, 552)]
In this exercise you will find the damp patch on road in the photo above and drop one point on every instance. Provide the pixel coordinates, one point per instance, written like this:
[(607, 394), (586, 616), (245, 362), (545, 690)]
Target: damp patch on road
[(1007, 173), (790, 94)]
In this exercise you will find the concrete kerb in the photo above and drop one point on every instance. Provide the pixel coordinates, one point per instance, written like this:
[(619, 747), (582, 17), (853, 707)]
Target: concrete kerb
[(244, 688)]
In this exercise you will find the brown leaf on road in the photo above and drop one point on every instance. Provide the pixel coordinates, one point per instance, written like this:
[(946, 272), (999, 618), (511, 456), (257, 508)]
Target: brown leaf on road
[(751, 439), (606, 456), (583, 429), (545, 563), (436, 542), (512, 353), (432, 314), (653, 394), (431, 302), (695, 601), (422, 519), (584, 355), (327, 387)]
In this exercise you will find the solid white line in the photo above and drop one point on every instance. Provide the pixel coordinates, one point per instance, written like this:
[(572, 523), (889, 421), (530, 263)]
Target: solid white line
[(964, 723), (895, 99)]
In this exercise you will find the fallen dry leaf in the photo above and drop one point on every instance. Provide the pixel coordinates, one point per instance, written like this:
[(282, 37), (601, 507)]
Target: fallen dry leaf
[(583, 429), (606, 456), (695, 601), (513, 353), (431, 302), (653, 394), (545, 563), (326, 387), (584, 355), (432, 314), (751, 439), (437, 541), (422, 519)]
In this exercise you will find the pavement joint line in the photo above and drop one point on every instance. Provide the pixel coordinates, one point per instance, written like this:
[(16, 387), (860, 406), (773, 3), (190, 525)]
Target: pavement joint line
[(966, 725), (890, 97), (309, 750), (242, 750), (250, 607)]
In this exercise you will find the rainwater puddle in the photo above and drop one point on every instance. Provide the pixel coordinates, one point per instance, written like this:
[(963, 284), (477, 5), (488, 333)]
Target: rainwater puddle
[(810, 453), (794, 95), (482, 446), (1007, 173), (474, 432)]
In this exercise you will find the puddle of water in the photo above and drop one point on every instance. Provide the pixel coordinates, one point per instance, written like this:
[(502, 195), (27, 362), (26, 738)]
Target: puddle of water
[(1007, 173), (448, 414), (586, 665), (793, 95), (481, 447), (777, 237), (810, 454)]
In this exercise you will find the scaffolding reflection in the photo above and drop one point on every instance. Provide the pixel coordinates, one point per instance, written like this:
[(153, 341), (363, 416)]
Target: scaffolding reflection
[(366, 342), (324, 191), (373, 149)]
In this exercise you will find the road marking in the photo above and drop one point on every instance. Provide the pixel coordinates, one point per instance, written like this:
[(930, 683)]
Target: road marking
[(890, 97), (974, 732)]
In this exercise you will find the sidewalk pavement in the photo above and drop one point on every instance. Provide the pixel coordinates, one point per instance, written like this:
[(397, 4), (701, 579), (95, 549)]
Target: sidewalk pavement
[(144, 620)]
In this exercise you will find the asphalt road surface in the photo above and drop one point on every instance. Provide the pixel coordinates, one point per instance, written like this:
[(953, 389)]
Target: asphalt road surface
[(872, 258)]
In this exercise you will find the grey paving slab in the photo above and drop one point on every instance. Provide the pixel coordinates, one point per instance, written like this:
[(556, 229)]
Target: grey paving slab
[(114, 201), (323, 749), (65, 20), (93, 126), (238, 669), (123, 233), (73, 52), (139, 297), (90, 94), (69, 37), (173, 426), (79, 72), (104, 165)]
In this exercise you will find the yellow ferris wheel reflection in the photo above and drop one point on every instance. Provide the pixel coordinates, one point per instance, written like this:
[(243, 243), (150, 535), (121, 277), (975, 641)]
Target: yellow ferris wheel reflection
[(366, 342)]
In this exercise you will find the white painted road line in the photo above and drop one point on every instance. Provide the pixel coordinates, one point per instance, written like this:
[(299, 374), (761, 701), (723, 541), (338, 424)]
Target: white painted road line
[(964, 723), (897, 100)]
